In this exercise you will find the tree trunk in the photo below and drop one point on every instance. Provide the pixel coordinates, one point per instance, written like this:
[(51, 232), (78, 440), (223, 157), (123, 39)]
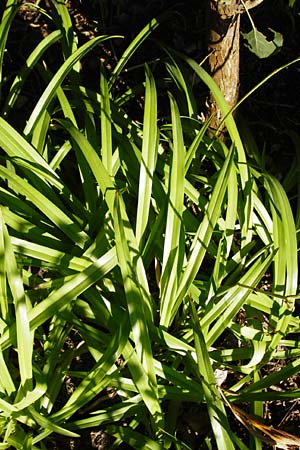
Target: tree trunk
[(224, 51)]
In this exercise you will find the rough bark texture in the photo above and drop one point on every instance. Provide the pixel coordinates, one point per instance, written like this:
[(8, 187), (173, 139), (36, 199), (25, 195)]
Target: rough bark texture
[(224, 50)]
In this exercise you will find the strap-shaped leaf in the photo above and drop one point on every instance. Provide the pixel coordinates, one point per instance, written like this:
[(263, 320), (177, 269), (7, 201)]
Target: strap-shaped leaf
[(58, 79), (149, 156), (174, 246), (204, 233)]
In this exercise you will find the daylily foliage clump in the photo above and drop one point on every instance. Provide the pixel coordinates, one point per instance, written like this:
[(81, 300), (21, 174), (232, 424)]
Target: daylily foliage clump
[(134, 252)]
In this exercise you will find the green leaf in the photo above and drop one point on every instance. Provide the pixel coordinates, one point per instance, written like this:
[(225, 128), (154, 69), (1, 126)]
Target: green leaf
[(55, 214), (131, 49), (137, 314), (22, 308), (204, 233), (106, 123), (57, 80), (58, 298), (215, 404), (22, 75), (96, 379), (258, 44), (173, 252), (133, 438), (149, 156), (10, 10)]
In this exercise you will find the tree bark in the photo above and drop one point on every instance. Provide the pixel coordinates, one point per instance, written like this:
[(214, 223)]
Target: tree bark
[(224, 51)]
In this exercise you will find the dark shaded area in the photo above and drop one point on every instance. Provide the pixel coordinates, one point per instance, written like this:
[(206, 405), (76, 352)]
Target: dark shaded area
[(274, 108)]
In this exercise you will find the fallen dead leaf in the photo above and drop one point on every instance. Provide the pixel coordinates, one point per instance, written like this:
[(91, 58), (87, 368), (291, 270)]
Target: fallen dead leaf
[(272, 436)]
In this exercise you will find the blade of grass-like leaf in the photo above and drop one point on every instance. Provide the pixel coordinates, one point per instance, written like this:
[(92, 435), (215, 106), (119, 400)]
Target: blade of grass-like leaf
[(66, 293), (214, 401), (257, 408), (246, 212), (18, 442), (259, 351), (274, 378), (7, 408), (133, 438), (204, 232), (31, 397), (22, 75), (264, 226), (3, 286), (64, 23), (108, 191), (126, 259), (48, 425), (41, 178), (40, 133), (228, 230), (91, 195), (60, 155), (134, 45), (231, 211), (24, 337), (90, 189), (9, 13), (91, 116), (114, 413), (264, 395), (106, 132), (191, 153), (218, 273), (184, 85), (14, 220), (95, 163), (96, 380), (149, 156), (57, 80), (70, 291), (279, 69), (146, 389), (229, 120), (173, 252), (39, 172), (178, 445), (137, 312), (47, 76), (226, 309), (55, 367), (249, 142), (287, 284), (6, 383), (286, 259), (56, 215), (151, 247), (172, 376), (59, 260), (16, 146)]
